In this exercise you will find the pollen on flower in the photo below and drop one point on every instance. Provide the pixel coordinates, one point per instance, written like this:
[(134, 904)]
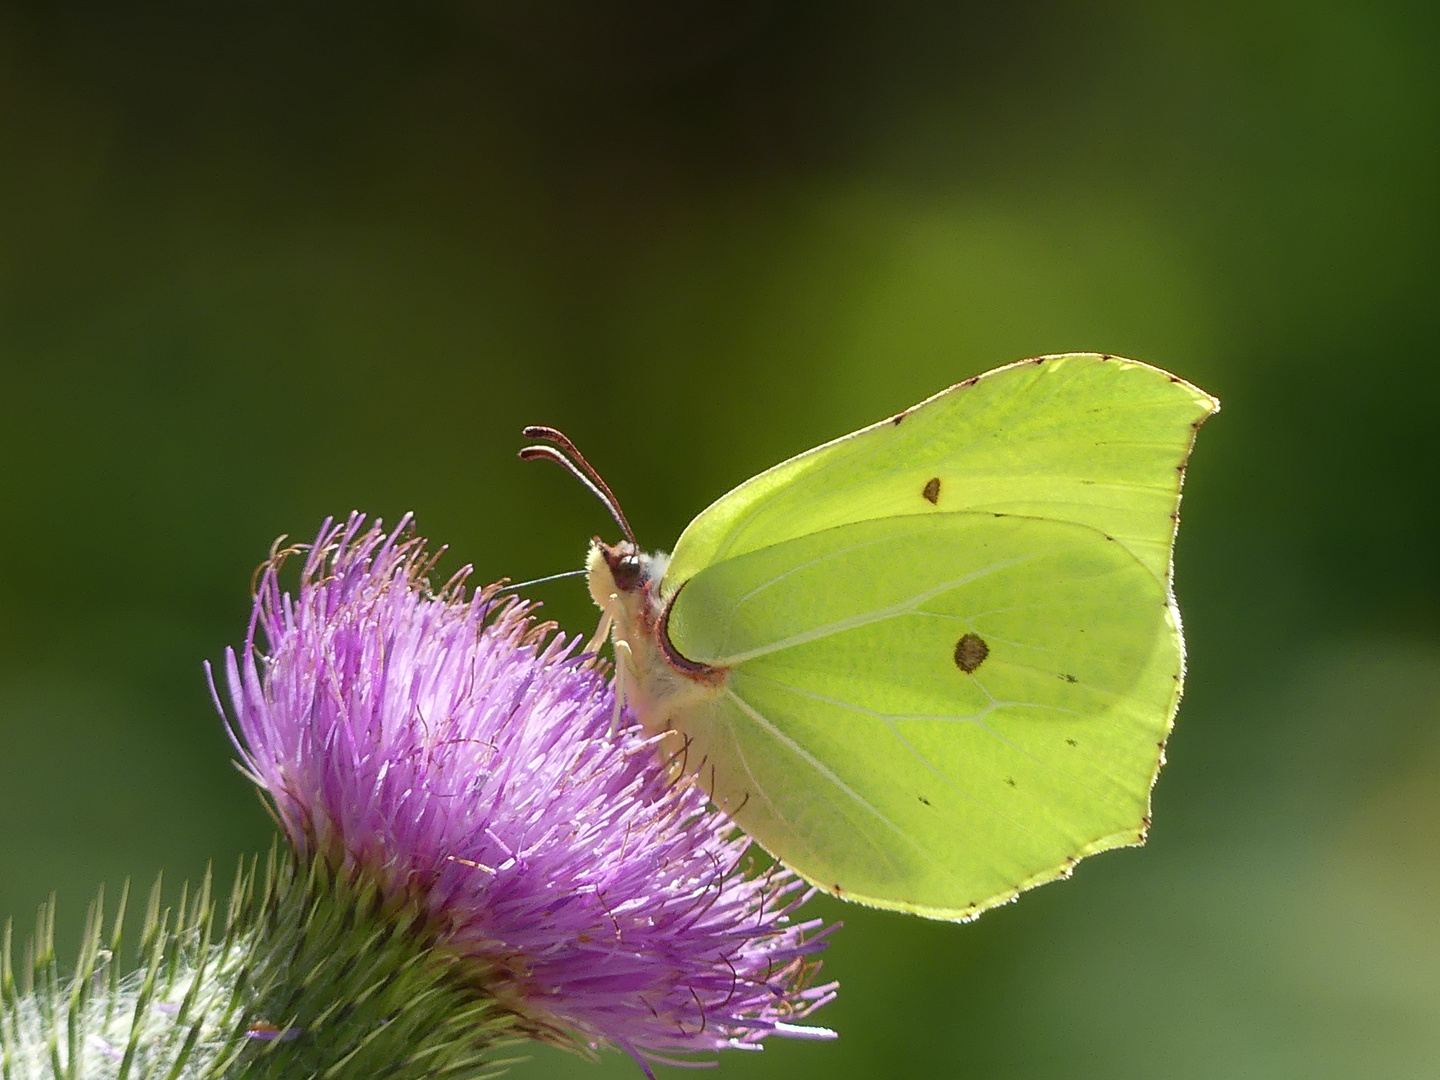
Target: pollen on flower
[(458, 751)]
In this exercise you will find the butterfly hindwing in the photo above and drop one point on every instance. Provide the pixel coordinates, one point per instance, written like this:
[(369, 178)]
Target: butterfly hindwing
[(932, 712)]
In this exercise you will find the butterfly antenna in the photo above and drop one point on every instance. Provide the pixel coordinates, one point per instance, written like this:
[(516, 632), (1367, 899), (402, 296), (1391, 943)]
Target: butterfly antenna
[(565, 454), (540, 581)]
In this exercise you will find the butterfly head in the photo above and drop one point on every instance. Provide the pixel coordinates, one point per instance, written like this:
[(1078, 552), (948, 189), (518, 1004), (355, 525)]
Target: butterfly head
[(622, 571)]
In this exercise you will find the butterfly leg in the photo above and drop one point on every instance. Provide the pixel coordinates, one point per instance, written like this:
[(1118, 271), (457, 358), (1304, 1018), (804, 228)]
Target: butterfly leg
[(622, 662), (601, 632)]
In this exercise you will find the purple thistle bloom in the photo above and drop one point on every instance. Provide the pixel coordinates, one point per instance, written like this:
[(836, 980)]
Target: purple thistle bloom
[(460, 753)]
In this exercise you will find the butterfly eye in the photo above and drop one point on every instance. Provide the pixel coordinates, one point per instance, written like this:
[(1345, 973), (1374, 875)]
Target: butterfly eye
[(629, 572)]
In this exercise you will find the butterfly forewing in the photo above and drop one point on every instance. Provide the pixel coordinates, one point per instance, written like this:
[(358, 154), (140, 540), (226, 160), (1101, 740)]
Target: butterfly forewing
[(1091, 439)]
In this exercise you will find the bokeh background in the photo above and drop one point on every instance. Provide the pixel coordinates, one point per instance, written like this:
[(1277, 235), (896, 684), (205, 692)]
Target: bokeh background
[(265, 262)]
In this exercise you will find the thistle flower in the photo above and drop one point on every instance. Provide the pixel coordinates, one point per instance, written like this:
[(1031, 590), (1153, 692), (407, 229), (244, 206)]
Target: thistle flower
[(457, 753)]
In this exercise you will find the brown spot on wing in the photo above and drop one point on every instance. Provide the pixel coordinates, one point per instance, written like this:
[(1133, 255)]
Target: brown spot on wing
[(970, 652), (932, 491)]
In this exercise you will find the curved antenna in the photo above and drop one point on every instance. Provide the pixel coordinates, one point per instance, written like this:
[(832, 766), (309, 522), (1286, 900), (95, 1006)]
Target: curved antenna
[(569, 457)]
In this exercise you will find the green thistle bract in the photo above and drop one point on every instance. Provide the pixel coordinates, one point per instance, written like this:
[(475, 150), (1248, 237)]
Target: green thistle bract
[(323, 954)]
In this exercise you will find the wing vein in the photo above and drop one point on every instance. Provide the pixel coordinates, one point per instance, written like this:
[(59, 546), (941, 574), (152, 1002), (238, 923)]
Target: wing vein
[(805, 566), (995, 704), (889, 721), (865, 619), (820, 767)]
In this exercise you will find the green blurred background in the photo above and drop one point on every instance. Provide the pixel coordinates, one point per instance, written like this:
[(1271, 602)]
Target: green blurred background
[(265, 262)]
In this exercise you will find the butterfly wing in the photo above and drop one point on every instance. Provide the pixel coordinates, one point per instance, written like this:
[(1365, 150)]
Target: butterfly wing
[(1092, 439), (933, 712)]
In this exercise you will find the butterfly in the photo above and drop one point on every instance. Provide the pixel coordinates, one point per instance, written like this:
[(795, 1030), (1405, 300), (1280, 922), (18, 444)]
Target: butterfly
[(933, 663)]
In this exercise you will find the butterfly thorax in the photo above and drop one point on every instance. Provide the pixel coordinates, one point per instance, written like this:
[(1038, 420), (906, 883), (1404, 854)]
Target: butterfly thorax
[(655, 680)]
